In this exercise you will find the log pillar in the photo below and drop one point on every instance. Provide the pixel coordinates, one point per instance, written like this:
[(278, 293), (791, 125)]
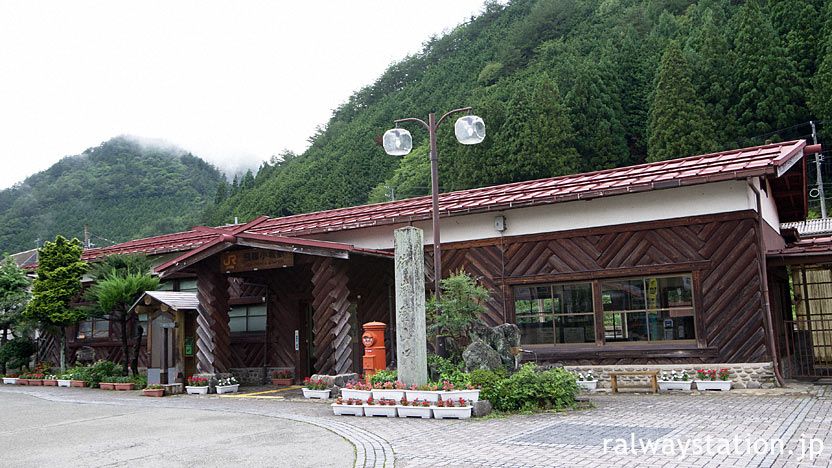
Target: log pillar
[(331, 330), (213, 343)]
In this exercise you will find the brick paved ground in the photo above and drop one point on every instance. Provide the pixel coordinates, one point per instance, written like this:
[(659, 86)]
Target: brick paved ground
[(570, 439)]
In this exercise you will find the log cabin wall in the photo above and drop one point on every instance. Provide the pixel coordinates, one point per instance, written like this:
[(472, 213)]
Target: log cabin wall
[(719, 251)]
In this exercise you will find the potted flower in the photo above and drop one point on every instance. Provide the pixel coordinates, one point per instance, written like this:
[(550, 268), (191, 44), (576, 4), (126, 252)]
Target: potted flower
[(452, 409), (428, 392), (123, 383), (357, 390), (586, 381), (154, 390), (23, 379), (710, 379), (64, 380), (455, 392), (229, 385), (109, 384), (675, 381), (197, 386), (10, 379), (348, 407), (414, 408), (35, 379), (50, 380), (383, 407), (282, 377), (315, 389), (388, 390)]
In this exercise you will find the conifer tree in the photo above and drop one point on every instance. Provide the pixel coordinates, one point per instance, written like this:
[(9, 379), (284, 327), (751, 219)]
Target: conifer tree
[(539, 140), (768, 89), (678, 124), (13, 299), (820, 97), (59, 280), (712, 77), (599, 135)]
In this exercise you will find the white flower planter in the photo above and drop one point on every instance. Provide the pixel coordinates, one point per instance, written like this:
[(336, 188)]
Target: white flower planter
[(423, 412), (378, 410), (467, 395), (196, 390), (10, 380), (318, 394), (451, 413), (227, 388), (587, 384), (363, 395), (675, 385), (388, 394), (64, 383), (347, 410), (424, 395), (722, 385)]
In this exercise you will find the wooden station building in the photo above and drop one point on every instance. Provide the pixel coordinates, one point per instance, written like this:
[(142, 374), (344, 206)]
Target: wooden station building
[(663, 262)]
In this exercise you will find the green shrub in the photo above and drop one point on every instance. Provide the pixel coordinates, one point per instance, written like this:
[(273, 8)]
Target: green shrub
[(384, 376), (140, 380), (445, 370), (530, 390), (16, 352), (488, 382), (96, 373)]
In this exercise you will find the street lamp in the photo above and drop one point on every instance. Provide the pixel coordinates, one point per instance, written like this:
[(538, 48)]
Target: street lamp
[(469, 130)]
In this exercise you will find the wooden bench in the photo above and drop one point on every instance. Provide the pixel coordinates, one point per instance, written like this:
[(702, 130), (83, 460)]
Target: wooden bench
[(649, 373)]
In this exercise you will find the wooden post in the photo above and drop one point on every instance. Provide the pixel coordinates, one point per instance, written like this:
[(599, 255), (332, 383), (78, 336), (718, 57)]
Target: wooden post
[(333, 350), (213, 335)]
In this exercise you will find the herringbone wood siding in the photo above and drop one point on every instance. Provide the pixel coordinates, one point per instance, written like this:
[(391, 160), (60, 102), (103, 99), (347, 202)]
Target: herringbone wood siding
[(722, 248)]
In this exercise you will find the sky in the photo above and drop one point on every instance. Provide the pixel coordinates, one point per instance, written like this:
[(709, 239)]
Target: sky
[(232, 82)]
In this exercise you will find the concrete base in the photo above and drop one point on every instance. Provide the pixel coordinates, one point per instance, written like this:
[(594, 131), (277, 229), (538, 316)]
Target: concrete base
[(743, 375)]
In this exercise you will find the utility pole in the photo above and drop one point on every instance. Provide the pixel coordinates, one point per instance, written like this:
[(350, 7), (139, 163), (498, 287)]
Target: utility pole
[(818, 160), (86, 236)]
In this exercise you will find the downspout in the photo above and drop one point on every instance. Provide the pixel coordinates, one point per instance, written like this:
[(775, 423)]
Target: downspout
[(764, 280)]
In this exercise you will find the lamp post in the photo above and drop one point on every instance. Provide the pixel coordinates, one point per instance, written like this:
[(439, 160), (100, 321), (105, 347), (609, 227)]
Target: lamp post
[(469, 130)]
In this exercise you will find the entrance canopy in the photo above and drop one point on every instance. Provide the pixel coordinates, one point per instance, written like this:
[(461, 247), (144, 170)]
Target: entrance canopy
[(173, 300), (226, 239)]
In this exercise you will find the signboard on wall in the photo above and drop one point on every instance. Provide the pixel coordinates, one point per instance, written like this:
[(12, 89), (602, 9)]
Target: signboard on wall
[(254, 259)]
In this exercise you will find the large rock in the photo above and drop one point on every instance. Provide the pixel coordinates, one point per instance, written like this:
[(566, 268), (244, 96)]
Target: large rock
[(339, 380), (479, 355), (500, 339)]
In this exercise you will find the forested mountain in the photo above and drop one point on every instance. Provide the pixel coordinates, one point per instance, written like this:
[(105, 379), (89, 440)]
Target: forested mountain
[(122, 189), (566, 86)]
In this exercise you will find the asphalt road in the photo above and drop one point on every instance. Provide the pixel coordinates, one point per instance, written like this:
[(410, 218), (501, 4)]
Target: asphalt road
[(36, 433)]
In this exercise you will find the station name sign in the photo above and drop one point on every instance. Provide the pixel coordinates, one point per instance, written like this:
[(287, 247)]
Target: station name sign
[(254, 259)]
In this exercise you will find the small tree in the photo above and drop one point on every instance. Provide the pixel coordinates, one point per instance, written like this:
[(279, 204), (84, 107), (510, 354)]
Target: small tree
[(459, 308), (121, 280), (14, 297), (58, 281)]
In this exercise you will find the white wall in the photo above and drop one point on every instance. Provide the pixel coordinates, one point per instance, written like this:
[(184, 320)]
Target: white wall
[(718, 197)]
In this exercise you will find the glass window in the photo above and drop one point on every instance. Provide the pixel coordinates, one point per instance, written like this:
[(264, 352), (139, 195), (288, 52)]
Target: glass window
[(93, 328), (247, 318), (166, 286), (188, 285), (555, 314), (648, 309)]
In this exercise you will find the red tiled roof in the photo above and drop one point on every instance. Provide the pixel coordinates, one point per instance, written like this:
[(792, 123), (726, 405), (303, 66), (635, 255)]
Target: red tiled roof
[(767, 160), (805, 247)]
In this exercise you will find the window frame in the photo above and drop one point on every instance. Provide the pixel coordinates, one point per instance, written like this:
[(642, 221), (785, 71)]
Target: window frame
[(248, 316), (552, 314), (596, 282), (93, 321)]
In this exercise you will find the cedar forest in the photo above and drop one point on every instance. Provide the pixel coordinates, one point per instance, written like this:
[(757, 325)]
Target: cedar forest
[(564, 86)]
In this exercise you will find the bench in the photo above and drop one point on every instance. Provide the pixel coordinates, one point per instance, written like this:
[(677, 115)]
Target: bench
[(649, 373)]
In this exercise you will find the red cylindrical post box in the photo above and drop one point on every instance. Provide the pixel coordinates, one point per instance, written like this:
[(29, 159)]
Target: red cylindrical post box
[(375, 355)]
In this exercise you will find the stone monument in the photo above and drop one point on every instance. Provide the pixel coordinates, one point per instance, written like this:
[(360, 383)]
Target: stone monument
[(411, 338)]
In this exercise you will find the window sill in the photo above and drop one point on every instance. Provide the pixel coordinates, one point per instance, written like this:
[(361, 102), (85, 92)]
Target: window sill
[(685, 349)]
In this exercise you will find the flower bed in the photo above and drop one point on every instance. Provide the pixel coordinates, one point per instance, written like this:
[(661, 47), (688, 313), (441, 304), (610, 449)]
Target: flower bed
[(348, 407), (710, 379), (315, 389), (452, 409), (154, 390), (282, 378), (357, 391), (383, 407), (229, 385), (675, 381)]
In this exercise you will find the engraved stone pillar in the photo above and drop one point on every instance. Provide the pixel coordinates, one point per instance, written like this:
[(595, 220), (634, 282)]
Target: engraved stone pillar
[(411, 339)]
